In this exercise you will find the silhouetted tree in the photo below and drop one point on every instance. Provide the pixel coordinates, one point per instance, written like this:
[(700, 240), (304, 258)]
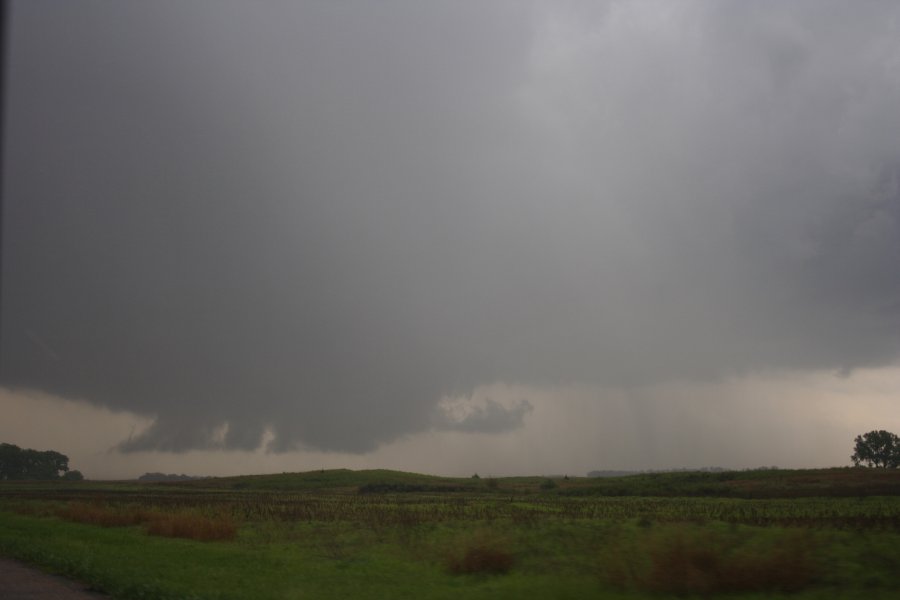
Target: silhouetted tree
[(73, 475), (877, 449), (25, 463)]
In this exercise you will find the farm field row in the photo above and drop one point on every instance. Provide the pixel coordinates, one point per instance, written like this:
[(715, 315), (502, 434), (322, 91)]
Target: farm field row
[(437, 538)]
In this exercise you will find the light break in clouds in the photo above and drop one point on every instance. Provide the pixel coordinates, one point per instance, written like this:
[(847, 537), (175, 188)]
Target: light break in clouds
[(806, 420)]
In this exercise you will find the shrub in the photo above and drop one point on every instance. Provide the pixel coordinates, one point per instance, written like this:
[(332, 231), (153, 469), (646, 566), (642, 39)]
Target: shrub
[(483, 553), (548, 484), (683, 559)]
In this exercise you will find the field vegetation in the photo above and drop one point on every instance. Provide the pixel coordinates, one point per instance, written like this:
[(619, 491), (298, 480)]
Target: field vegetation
[(379, 534)]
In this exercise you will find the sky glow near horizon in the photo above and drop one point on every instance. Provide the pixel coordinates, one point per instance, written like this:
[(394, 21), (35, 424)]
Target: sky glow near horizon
[(450, 237), (765, 421)]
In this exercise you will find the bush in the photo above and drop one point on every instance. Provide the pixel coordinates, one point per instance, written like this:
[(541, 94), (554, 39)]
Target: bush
[(548, 484), (483, 553), (682, 559)]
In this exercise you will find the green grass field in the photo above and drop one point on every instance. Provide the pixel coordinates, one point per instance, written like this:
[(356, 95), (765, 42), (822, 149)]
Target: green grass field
[(385, 534)]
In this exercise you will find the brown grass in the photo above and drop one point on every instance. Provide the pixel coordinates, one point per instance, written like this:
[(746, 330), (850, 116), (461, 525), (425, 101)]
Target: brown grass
[(103, 515), (482, 553), (688, 560), (34, 509), (193, 526), (182, 524)]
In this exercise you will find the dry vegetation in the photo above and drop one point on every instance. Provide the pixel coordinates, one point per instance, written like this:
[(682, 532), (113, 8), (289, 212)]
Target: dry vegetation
[(689, 559), (579, 533), (483, 552), (188, 524)]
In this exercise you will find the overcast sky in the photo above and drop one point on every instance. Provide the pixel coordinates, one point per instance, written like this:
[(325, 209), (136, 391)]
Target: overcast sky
[(436, 235)]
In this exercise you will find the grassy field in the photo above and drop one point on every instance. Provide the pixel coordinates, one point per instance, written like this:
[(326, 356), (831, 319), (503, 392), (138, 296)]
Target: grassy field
[(385, 534)]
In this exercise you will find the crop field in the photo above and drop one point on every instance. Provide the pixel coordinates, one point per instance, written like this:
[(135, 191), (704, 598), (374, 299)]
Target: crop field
[(385, 534)]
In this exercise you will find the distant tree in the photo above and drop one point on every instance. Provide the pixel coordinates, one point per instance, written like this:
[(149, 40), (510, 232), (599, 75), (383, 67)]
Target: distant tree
[(877, 449), (25, 463), (73, 475)]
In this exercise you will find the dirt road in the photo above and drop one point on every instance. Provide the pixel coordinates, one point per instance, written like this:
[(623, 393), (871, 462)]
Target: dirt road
[(21, 582)]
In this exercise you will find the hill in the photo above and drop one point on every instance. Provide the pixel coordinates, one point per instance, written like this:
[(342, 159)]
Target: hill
[(776, 483)]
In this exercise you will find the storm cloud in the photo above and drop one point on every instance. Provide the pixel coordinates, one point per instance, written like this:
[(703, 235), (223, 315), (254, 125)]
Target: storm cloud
[(315, 222)]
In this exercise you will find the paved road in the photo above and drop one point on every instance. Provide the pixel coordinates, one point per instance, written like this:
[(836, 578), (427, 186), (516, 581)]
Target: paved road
[(21, 582)]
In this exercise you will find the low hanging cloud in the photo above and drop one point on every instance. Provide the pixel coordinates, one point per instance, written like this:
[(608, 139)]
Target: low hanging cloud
[(480, 415), (313, 222)]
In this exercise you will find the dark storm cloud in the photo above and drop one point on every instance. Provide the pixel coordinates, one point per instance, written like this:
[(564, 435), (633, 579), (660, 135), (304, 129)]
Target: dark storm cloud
[(318, 219)]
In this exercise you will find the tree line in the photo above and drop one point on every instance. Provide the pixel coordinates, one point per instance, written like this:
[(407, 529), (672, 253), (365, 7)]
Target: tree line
[(25, 463)]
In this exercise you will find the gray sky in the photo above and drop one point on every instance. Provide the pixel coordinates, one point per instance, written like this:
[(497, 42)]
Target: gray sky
[(329, 227)]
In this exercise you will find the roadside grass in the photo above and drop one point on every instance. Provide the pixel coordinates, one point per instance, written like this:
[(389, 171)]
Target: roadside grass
[(127, 564)]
